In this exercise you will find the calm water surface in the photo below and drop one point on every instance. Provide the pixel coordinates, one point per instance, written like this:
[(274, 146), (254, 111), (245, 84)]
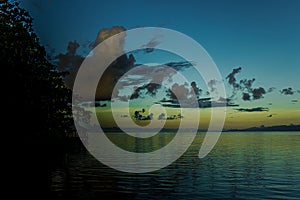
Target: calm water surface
[(243, 165)]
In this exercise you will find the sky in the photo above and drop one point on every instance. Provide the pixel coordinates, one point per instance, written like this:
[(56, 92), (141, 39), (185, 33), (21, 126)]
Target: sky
[(260, 36)]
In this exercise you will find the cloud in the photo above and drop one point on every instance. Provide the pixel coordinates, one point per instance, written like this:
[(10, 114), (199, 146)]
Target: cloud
[(211, 85), (147, 79), (72, 47), (202, 103), (245, 87), (246, 96), (246, 84), (189, 97), (287, 91), (257, 109), (71, 61), (179, 91), (120, 66), (197, 91), (294, 101), (181, 65), (231, 77), (184, 91), (271, 89), (258, 93), (149, 47), (149, 88), (226, 100), (117, 43)]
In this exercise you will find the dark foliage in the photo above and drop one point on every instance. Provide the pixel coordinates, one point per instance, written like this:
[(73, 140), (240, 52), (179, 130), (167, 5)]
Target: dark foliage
[(38, 103), (37, 94)]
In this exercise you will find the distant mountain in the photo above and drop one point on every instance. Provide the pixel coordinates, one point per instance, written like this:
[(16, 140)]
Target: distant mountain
[(270, 128)]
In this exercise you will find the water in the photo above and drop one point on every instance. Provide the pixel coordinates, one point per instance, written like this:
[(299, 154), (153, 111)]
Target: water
[(243, 165)]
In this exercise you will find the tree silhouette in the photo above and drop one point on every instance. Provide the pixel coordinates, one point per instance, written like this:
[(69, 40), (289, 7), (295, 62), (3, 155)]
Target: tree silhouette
[(38, 101), (36, 87)]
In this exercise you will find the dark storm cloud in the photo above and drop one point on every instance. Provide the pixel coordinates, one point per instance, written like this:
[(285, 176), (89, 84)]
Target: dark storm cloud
[(246, 96), (287, 91), (245, 87), (258, 93), (294, 101), (186, 96), (149, 89), (231, 77), (184, 92), (257, 109), (246, 84), (149, 79)]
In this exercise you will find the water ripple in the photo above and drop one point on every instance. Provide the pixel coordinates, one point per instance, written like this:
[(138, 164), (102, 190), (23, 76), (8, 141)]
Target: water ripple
[(241, 166)]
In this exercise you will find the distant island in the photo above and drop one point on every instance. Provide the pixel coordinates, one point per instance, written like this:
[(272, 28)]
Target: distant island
[(291, 127)]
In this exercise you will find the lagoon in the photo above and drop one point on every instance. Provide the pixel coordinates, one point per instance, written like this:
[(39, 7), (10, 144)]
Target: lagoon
[(242, 165)]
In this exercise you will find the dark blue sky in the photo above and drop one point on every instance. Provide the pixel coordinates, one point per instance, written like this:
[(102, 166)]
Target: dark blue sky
[(262, 36)]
